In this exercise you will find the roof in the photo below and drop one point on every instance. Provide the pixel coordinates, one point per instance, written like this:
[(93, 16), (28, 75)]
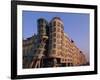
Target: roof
[(57, 18)]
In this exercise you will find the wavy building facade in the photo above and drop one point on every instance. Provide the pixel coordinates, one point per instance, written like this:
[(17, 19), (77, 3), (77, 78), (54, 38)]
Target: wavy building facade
[(59, 49)]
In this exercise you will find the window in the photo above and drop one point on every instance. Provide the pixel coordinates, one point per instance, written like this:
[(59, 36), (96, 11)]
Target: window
[(50, 28), (58, 23), (50, 41), (50, 46), (54, 34), (58, 46), (54, 40), (59, 41), (54, 51), (54, 23), (62, 31), (54, 29), (54, 45), (58, 36), (42, 28), (62, 27), (58, 30)]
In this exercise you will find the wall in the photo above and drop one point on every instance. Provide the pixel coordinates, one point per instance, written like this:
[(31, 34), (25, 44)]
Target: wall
[(5, 29)]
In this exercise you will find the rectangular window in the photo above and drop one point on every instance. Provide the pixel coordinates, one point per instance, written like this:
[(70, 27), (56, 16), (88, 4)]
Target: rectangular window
[(54, 40), (54, 29), (54, 45), (58, 23), (54, 23), (54, 51), (58, 30), (58, 36), (54, 34)]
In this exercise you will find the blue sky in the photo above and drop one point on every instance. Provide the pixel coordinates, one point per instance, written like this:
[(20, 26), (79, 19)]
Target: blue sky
[(76, 25)]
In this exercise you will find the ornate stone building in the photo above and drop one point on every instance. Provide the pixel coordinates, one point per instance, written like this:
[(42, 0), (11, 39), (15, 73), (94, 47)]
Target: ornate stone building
[(59, 51)]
